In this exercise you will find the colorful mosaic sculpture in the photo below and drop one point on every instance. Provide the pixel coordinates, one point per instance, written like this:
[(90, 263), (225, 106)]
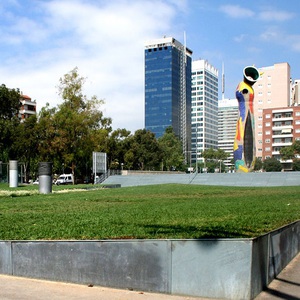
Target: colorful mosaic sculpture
[(244, 142)]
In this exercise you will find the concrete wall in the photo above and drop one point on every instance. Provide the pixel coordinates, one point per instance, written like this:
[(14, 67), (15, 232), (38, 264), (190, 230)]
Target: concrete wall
[(213, 268), (223, 179)]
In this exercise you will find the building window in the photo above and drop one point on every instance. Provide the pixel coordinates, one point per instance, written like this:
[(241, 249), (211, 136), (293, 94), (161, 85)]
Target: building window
[(268, 124), (267, 149), (268, 116), (267, 141), (268, 132)]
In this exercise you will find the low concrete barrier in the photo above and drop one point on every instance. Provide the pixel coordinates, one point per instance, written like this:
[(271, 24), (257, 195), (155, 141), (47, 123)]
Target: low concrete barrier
[(223, 179), (213, 268)]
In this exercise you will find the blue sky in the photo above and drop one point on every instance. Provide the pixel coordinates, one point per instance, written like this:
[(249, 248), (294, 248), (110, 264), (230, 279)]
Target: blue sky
[(41, 40)]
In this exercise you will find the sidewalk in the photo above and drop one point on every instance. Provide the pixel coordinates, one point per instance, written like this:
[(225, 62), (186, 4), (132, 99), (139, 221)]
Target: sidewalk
[(19, 288), (285, 286)]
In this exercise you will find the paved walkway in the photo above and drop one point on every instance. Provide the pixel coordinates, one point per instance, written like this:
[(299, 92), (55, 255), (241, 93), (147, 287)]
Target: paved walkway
[(285, 286)]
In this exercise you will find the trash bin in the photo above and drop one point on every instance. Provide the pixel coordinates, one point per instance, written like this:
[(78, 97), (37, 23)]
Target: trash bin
[(45, 177)]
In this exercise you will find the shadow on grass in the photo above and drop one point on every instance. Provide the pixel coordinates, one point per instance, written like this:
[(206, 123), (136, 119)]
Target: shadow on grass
[(193, 232)]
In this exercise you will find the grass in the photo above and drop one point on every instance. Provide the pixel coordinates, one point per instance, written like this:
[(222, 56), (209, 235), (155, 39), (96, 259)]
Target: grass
[(148, 212)]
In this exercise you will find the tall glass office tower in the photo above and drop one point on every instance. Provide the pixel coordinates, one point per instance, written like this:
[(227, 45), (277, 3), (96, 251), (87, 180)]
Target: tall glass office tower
[(168, 89)]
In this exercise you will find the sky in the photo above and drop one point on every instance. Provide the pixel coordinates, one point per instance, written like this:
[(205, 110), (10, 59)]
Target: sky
[(42, 40)]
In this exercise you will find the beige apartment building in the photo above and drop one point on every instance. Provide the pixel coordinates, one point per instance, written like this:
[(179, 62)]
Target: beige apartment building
[(272, 90)]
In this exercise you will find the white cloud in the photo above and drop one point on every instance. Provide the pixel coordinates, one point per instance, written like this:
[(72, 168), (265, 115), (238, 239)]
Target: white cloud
[(236, 11), (276, 36), (294, 42), (240, 38), (105, 40), (273, 15), (271, 34)]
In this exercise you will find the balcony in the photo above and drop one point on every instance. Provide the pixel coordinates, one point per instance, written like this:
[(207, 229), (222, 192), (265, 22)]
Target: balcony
[(282, 144), (282, 136), (282, 127), (282, 119), (28, 102), (27, 112)]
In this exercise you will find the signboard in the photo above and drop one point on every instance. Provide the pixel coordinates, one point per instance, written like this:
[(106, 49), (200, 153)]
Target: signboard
[(99, 162)]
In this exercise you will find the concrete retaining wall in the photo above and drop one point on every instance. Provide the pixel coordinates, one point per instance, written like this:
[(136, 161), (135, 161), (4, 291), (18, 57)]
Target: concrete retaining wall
[(213, 268), (224, 179)]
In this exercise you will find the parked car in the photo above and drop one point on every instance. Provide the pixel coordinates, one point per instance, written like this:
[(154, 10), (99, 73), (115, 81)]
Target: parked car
[(64, 179), (36, 181)]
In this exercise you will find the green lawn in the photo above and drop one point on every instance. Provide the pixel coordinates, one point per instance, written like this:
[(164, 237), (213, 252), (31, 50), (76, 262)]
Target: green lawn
[(158, 211)]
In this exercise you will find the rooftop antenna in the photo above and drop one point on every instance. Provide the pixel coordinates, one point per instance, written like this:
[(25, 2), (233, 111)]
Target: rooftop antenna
[(223, 82)]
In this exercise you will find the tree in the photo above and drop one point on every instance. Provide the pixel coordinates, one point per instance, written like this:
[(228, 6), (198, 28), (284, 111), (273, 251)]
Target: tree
[(25, 143), (296, 165), (258, 164), (117, 146), (170, 145), (287, 153), (10, 102), (214, 159), (272, 164), (296, 147), (9, 108), (292, 152), (144, 152), (76, 128)]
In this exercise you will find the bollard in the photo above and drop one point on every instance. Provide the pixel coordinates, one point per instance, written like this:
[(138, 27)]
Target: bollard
[(13, 173), (45, 177)]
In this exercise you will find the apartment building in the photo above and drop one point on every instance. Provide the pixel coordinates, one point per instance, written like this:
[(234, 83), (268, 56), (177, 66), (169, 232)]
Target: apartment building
[(272, 90), (27, 108), (295, 92), (281, 127)]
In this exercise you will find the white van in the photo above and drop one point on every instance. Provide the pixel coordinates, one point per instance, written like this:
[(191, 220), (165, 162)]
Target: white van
[(64, 179)]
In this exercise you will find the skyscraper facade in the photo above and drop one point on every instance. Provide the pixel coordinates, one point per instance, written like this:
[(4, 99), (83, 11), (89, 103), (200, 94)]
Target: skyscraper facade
[(204, 108), (168, 88), (227, 117)]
